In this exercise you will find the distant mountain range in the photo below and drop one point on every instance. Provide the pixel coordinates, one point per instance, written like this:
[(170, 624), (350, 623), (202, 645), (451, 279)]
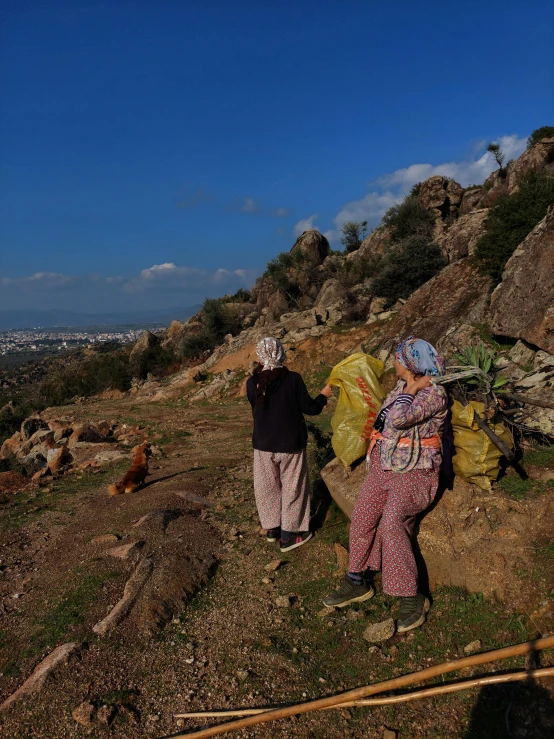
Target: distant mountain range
[(28, 319)]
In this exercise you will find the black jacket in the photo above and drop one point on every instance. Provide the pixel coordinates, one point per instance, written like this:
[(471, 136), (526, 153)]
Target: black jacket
[(279, 424)]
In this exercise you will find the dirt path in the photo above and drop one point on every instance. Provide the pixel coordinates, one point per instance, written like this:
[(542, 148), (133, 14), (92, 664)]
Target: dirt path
[(226, 644)]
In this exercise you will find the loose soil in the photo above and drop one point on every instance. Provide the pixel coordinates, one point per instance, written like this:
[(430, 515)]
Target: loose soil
[(206, 632)]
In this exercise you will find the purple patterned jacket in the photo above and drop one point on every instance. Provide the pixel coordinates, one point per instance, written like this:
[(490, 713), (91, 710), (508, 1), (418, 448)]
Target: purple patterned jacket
[(426, 411)]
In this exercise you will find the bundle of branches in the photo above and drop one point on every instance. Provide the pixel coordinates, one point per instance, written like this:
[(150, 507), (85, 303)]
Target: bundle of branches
[(477, 377), (482, 383)]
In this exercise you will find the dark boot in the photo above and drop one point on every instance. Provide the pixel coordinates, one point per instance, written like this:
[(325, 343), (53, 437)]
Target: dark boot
[(412, 612)]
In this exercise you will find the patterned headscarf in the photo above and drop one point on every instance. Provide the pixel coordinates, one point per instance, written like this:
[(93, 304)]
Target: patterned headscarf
[(420, 357), (271, 353)]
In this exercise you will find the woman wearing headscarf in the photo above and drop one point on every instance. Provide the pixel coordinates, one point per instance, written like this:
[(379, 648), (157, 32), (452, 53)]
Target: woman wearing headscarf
[(404, 460), (279, 400)]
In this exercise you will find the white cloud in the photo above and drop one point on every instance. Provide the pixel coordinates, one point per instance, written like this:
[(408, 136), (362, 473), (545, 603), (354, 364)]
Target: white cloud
[(466, 172), (305, 224), (245, 205), (169, 275), (369, 208), (46, 280), (280, 213), (391, 188), (332, 236), (250, 206)]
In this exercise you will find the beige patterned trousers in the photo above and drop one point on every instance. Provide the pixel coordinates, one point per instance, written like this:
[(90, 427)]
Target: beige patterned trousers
[(282, 490)]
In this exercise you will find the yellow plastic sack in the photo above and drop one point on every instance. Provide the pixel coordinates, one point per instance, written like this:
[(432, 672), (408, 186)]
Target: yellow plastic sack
[(477, 459), (360, 398)]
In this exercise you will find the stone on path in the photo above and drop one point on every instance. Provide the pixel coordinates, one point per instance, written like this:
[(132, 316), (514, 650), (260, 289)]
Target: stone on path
[(125, 550), (106, 714), (105, 539), (42, 672), (380, 632), (473, 646), (131, 591), (283, 601), (84, 714), (274, 566)]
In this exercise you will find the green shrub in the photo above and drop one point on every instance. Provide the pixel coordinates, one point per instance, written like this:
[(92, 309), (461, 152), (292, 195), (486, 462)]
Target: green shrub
[(353, 233), (195, 345), (406, 266), (409, 218), (511, 220), (11, 419), (544, 132), (155, 360), (218, 320), (241, 296), (87, 377)]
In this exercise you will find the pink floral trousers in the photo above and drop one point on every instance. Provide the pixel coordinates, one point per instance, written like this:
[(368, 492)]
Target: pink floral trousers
[(383, 521)]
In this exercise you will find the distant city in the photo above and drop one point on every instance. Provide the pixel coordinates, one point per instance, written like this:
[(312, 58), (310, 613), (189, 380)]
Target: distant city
[(41, 341)]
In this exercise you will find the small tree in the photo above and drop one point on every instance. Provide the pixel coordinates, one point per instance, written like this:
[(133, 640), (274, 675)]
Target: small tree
[(497, 154), (353, 233)]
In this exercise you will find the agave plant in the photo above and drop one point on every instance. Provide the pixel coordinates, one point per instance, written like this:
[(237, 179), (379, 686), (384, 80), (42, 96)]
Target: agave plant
[(484, 359)]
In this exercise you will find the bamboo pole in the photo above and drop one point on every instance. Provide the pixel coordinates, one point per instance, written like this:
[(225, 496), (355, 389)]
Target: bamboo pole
[(358, 693), (404, 698)]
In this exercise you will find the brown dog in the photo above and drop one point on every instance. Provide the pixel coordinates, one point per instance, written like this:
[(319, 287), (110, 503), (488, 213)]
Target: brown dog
[(137, 473)]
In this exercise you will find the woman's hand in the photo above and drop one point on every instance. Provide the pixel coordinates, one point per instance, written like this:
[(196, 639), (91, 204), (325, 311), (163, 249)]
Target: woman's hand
[(414, 386), (327, 391)]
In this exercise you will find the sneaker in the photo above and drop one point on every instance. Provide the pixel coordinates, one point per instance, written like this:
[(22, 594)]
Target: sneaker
[(273, 535), (295, 540), (412, 612), (349, 593)]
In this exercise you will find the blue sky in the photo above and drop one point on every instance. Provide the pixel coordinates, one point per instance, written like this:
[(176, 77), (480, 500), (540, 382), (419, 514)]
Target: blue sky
[(154, 152)]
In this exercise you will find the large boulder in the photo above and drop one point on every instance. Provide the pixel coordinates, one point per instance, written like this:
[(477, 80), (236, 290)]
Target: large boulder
[(12, 445), (441, 194), (372, 246), (85, 433), (147, 340), (31, 425), (313, 244), (471, 200), (538, 157), (462, 236), (522, 306), (332, 292), (299, 321), (472, 539)]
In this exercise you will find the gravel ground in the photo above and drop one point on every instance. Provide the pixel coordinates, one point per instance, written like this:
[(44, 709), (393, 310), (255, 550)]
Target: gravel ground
[(255, 635)]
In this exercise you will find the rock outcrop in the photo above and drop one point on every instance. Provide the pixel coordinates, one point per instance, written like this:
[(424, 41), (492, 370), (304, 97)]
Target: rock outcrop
[(522, 306), (442, 196), (146, 341), (456, 297), (313, 245), (539, 157), (461, 238)]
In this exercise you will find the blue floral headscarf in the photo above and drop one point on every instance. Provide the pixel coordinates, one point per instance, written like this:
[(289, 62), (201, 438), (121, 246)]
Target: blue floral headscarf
[(419, 357)]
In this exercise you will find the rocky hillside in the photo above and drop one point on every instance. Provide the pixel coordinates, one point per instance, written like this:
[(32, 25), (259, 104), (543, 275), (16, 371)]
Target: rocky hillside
[(455, 266)]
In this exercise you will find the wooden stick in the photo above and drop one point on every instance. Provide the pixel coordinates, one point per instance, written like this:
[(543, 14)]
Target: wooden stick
[(404, 698), (525, 399), (496, 440), (358, 693)]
